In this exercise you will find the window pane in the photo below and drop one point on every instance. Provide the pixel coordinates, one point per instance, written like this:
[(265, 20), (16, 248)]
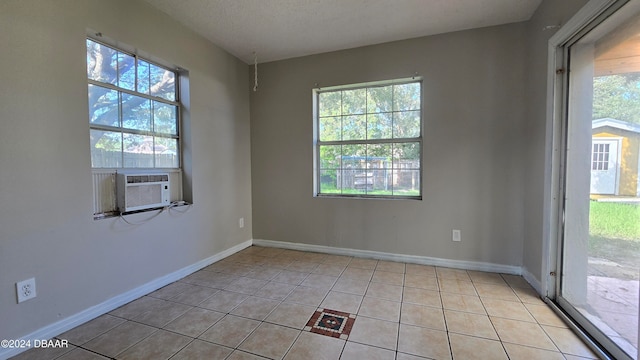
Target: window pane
[(406, 97), (354, 127), (143, 77), (362, 182), (380, 99), (330, 181), (330, 128), (406, 182), (354, 156), (406, 124), (166, 152), (106, 149), (378, 156), (136, 112), (378, 169), (103, 106), (126, 71), (379, 126), (354, 169), (330, 103), (165, 118), (101, 63), (406, 169), (138, 150), (162, 82), (406, 156), (330, 156), (354, 101), (382, 182)]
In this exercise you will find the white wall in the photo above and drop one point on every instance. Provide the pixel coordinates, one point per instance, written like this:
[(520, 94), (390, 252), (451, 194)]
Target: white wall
[(46, 225), (474, 114)]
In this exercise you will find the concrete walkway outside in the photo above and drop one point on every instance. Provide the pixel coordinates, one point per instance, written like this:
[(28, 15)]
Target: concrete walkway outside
[(614, 310)]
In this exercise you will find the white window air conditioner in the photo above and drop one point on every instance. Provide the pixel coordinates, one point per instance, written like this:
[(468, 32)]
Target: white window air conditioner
[(142, 191)]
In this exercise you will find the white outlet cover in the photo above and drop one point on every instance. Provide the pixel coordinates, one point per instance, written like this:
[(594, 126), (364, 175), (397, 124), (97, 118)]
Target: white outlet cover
[(26, 289), (455, 235)]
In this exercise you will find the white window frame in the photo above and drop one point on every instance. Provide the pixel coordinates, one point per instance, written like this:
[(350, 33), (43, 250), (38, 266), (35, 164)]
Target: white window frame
[(317, 143), (104, 178), (122, 91)]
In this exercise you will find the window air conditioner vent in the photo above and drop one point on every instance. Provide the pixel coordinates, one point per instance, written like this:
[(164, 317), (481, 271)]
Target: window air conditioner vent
[(142, 191)]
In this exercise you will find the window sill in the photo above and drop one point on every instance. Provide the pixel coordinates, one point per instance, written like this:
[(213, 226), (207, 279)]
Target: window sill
[(114, 214), (366, 197)]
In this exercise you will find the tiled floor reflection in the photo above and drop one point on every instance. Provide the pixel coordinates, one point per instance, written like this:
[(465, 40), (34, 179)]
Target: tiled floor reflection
[(257, 304)]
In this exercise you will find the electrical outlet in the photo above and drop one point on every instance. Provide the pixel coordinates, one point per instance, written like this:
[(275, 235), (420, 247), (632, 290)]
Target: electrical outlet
[(455, 235), (241, 223), (26, 289)]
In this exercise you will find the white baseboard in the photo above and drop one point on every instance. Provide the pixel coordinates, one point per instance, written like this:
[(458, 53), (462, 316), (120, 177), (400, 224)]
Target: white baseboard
[(533, 281), (93, 312), (423, 260)]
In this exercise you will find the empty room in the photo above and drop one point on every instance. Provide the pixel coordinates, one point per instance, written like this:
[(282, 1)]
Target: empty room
[(319, 179)]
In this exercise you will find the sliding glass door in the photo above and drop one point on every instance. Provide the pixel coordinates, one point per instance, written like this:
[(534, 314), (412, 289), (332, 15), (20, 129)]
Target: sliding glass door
[(600, 245)]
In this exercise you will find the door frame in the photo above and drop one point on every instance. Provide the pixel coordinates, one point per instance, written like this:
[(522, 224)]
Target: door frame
[(557, 93), (555, 159)]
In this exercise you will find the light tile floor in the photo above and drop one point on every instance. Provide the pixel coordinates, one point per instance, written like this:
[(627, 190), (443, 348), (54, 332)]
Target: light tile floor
[(255, 305)]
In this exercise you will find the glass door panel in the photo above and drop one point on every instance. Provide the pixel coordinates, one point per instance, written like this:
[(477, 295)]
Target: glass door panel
[(601, 236)]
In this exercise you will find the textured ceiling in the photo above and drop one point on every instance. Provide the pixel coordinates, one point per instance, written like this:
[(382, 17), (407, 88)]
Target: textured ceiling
[(281, 29)]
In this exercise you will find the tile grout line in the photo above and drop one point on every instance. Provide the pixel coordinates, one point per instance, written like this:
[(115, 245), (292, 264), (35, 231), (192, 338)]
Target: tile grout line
[(299, 258), (400, 315), (493, 326), (445, 318), (192, 339)]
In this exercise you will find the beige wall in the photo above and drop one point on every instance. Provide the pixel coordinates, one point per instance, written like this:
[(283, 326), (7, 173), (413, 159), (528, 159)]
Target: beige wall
[(474, 119), (537, 154), (46, 225), (484, 154)]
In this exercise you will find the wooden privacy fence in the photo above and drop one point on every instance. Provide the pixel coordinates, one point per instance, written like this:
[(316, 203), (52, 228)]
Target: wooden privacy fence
[(380, 176), (101, 158)]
